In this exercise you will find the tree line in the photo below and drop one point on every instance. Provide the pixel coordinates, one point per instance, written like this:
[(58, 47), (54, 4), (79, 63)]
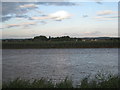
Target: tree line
[(63, 38)]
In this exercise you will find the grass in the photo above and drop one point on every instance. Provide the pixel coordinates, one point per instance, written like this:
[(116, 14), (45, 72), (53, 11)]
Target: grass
[(100, 81), (39, 42), (60, 44)]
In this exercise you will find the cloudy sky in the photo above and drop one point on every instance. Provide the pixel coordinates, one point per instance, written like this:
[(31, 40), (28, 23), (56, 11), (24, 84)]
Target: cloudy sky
[(75, 19)]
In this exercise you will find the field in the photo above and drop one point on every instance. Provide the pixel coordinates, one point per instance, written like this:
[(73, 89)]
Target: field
[(60, 44)]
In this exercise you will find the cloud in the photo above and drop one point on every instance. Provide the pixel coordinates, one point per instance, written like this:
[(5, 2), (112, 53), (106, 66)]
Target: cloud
[(15, 9), (58, 16), (21, 16), (58, 3), (97, 34), (28, 6), (116, 16), (106, 15), (106, 12), (39, 18), (43, 22), (39, 11), (9, 8), (93, 33), (21, 8), (85, 16), (12, 25), (105, 18), (98, 1), (20, 24), (6, 18), (12, 8)]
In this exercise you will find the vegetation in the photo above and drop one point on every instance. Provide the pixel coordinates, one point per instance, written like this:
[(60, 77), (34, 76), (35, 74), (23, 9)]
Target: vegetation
[(98, 82), (61, 42)]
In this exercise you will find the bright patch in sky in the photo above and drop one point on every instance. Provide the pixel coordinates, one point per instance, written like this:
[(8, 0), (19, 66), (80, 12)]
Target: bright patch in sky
[(59, 15)]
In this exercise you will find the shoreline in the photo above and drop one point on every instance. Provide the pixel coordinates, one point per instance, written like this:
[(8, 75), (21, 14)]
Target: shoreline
[(67, 48)]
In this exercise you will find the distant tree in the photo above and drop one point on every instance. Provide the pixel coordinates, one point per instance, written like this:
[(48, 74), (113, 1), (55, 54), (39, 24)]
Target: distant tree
[(65, 38), (40, 38), (49, 37)]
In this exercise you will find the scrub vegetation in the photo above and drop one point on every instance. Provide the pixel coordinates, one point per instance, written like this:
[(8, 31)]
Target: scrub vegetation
[(100, 81)]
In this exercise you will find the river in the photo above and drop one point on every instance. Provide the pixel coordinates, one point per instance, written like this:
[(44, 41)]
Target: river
[(56, 64)]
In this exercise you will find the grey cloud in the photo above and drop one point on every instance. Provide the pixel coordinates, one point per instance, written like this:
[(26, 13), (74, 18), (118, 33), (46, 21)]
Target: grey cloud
[(13, 8), (43, 22), (20, 8), (9, 8), (58, 3), (43, 15), (20, 25), (99, 1), (58, 20), (6, 18), (21, 16), (10, 26), (85, 16)]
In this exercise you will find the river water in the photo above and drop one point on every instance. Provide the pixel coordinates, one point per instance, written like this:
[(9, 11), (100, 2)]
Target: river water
[(56, 64)]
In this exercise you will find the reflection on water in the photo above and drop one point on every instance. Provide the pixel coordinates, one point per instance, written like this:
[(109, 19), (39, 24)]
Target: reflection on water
[(58, 63)]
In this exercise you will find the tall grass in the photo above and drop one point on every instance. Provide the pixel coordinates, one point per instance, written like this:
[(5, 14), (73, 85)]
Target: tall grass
[(98, 82), (60, 44)]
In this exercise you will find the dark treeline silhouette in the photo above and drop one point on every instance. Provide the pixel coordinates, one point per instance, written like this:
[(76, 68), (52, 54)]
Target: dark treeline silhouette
[(61, 42), (63, 38), (44, 38)]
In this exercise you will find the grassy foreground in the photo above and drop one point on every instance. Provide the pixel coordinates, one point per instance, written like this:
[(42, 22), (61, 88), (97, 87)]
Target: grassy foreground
[(98, 82)]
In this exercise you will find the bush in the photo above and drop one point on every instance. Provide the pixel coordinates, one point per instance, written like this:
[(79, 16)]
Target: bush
[(98, 82)]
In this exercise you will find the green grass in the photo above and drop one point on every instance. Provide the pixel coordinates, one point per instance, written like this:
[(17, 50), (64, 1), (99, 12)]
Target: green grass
[(60, 44), (100, 81)]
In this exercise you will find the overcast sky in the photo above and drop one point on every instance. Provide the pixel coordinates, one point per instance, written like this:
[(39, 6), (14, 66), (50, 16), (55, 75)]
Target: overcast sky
[(75, 19)]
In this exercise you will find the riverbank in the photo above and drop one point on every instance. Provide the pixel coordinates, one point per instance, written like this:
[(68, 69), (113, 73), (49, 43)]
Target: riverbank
[(98, 82), (60, 44)]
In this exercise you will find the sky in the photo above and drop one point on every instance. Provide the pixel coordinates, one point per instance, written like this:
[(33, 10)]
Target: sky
[(74, 19)]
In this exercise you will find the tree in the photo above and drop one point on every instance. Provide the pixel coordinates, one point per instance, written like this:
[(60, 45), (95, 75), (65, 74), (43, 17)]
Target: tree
[(40, 38)]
